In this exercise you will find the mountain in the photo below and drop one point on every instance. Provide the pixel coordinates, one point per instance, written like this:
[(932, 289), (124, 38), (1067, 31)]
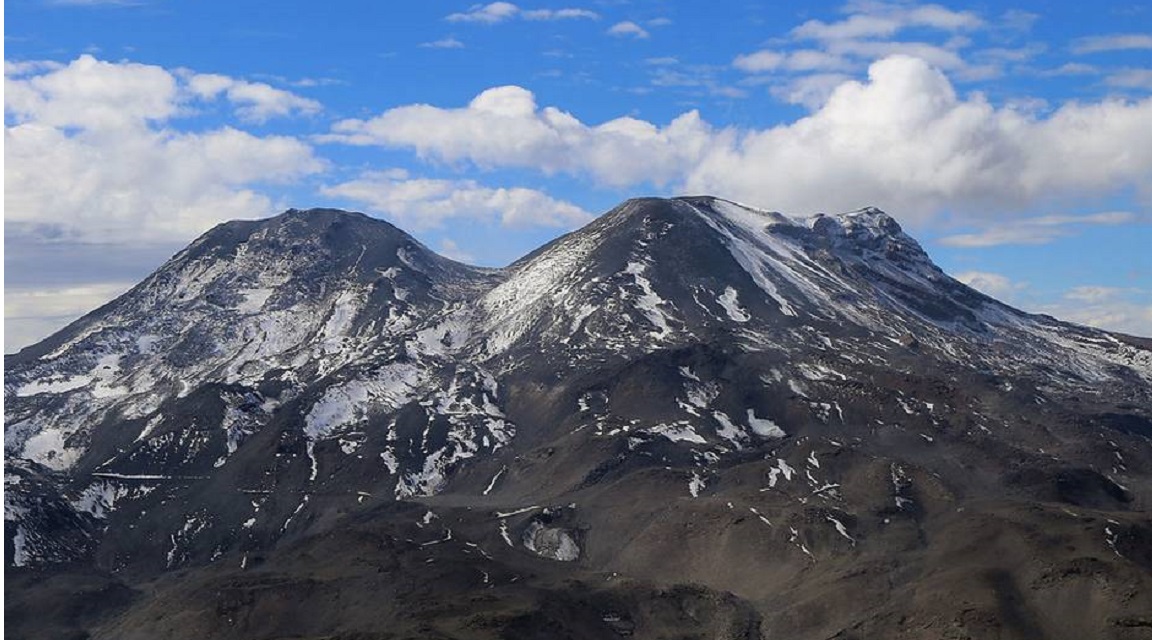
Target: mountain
[(690, 418)]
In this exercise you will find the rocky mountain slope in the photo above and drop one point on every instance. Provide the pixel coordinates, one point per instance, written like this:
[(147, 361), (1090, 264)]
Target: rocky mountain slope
[(688, 419)]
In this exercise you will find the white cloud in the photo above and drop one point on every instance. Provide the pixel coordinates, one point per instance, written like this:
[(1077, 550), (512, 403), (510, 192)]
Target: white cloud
[(812, 90), (96, 3), (89, 155), (443, 43), (882, 20), (628, 29), (993, 284), (421, 203), (92, 94), (1131, 79), (256, 101), (560, 14), (497, 12), (1112, 308), (1073, 69), (871, 32), (1039, 230), (503, 127), (1113, 42), (450, 249), (1093, 294), (31, 315), (1104, 307), (903, 140), (760, 61), (800, 60), (486, 14)]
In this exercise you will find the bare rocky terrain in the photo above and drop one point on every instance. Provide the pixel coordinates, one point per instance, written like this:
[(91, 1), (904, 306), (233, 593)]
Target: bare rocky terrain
[(689, 419)]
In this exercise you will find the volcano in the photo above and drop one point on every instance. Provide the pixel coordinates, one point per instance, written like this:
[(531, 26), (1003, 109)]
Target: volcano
[(690, 419)]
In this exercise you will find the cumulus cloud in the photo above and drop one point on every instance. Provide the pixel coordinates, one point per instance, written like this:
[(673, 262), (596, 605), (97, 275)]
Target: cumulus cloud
[(504, 127), (422, 203), (89, 155), (903, 139), (874, 30), (255, 101), (628, 29)]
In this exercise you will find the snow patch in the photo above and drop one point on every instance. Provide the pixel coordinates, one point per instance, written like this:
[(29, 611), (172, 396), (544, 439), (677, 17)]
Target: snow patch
[(731, 305)]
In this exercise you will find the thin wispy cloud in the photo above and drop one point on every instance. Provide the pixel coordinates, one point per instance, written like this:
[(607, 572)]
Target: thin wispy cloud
[(497, 12), (884, 20), (443, 43), (628, 29), (1130, 79), (1033, 231), (1114, 42), (95, 3)]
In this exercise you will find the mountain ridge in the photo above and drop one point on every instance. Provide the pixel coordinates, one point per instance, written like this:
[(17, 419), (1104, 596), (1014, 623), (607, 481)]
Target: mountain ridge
[(681, 390)]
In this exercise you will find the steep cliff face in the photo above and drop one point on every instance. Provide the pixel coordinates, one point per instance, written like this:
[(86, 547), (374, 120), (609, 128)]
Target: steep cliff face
[(808, 415)]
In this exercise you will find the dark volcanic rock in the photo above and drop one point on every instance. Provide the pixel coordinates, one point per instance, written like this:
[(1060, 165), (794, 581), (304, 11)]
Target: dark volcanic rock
[(688, 419)]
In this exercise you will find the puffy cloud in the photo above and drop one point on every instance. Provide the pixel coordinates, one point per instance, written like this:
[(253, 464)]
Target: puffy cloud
[(91, 94), (628, 29), (1039, 230), (89, 156), (256, 101), (421, 203), (1114, 42), (904, 140), (870, 33), (503, 127), (811, 91)]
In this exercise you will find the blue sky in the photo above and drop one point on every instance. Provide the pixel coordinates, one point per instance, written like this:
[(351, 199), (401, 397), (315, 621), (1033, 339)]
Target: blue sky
[(1015, 141)]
